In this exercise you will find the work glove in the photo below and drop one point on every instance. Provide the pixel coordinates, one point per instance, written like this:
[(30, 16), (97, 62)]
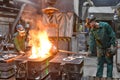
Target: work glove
[(22, 52), (112, 50), (88, 53)]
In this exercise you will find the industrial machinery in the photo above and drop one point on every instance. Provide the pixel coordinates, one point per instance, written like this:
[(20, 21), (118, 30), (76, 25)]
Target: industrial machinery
[(58, 24), (51, 21), (7, 65), (66, 68), (32, 69)]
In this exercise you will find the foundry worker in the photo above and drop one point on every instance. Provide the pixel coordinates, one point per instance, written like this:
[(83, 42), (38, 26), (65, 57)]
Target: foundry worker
[(104, 37), (94, 52), (19, 39)]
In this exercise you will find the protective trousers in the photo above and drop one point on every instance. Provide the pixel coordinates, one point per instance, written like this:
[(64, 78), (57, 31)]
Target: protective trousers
[(102, 58)]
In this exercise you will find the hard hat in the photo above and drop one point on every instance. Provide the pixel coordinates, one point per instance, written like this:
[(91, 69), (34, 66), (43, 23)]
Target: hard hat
[(90, 18), (20, 28)]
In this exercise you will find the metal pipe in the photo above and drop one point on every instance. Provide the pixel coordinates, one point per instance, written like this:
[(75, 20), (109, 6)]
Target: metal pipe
[(27, 2), (4, 24), (9, 8), (7, 15), (13, 9), (70, 52), (57, 34), (5, 21), (18, 18)]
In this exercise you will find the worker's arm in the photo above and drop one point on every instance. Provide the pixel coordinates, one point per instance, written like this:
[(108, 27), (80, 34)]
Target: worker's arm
[(91, 43), (113, 48), (111, 34)]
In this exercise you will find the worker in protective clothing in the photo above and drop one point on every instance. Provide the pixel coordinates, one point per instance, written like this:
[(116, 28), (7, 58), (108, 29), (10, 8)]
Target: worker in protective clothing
[(104, 37), (19, 39)]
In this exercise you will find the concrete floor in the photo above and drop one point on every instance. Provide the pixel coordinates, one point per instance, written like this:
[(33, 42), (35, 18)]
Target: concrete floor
[(90, 65)]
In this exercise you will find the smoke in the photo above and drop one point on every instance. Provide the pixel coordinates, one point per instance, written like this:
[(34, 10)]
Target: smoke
[(29, 13), (35, 19), (65, 5)]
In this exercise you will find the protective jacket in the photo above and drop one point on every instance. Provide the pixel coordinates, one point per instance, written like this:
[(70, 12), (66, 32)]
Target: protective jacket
[(19, 42), (104, 37)]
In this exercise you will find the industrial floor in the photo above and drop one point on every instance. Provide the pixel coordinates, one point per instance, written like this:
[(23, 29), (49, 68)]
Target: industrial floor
[(90, 65), (90, 69)]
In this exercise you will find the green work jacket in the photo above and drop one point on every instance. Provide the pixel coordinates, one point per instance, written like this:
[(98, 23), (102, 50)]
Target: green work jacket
[(103, 37), (19, 42)]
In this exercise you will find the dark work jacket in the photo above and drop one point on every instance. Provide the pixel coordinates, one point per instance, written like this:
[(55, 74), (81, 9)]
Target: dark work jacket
[(103, 37)]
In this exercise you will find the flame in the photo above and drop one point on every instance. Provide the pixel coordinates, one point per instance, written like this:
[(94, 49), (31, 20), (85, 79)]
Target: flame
[(42, 46), (40, 43)]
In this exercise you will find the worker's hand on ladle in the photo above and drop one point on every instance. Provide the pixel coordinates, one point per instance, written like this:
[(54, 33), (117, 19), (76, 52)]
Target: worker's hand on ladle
[(22, 52)]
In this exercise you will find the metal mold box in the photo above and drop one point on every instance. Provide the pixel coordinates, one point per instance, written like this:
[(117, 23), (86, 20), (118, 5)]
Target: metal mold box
[(73, 70)]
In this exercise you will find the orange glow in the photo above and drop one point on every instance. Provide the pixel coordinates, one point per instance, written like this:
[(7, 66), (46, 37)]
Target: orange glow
[(39, 41)]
